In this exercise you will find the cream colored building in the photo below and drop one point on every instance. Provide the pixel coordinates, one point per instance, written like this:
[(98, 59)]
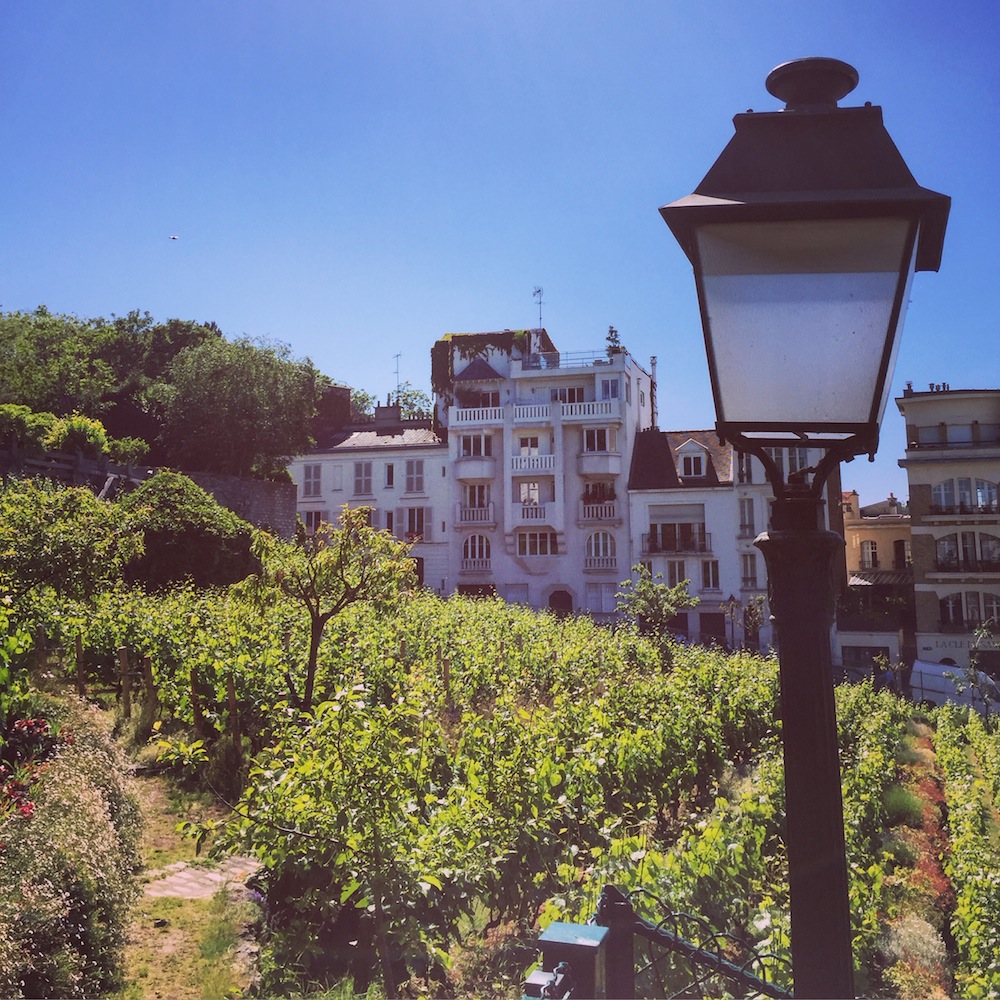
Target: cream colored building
[(953, 466)]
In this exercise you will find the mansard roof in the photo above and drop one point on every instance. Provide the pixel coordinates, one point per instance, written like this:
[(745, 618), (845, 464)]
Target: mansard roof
[(478, 370), (655, 464)]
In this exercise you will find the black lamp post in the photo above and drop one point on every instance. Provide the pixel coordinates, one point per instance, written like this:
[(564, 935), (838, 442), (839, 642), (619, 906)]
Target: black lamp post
[(804, 237)]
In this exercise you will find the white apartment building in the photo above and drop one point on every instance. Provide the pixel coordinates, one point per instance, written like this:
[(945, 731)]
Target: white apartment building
[(952, 464), (543, 480), (539, 443), (400, 469)]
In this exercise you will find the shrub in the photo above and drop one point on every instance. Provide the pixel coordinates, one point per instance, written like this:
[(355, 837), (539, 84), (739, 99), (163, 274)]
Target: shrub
[(77, 433), (66, 885), (188, 535), (24, 429)]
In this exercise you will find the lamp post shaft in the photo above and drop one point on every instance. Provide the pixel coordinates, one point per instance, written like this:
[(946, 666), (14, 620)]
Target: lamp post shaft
[(799, 557)]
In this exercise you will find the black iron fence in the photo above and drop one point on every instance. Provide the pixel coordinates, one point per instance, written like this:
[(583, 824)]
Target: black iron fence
[(623, 954)]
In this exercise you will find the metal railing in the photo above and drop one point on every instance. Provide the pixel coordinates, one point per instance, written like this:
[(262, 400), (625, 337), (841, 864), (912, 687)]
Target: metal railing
[(699, 541), (621, 954)]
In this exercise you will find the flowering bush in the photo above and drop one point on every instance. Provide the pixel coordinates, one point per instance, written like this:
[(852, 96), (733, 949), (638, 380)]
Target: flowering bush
[(68, 849)]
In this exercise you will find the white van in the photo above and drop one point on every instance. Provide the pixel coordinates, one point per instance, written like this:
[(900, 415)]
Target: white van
[(936, 683)]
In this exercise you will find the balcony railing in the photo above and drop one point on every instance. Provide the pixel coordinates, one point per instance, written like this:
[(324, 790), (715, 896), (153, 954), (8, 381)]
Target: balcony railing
[(967, 566), (599, 510), (748, 531), (476, 415), (527, 413), (965, 508), (474, 515), (603, 409), (565, 359), (600, 562), (476, 565), (532, 463), (533, 511), (657, 545)]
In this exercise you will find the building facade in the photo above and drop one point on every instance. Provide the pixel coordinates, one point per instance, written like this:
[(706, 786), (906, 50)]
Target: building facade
[(952, 463), (544, 480)]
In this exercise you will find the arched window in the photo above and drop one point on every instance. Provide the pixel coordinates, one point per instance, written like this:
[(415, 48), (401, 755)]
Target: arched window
[(943, 496), (986, 495), (476, 547), (951, 610), (601, 545), (991, 608), (869, 554)]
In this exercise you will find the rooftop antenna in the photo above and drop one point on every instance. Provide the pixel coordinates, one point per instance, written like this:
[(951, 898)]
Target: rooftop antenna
[(397, 357), (537, 294)]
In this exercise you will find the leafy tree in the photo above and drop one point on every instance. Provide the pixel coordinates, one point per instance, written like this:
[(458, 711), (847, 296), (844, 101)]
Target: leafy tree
[(330, 570), (54, 363), (412, 402), (652, 603), (188, 535), (77, 433), (61, 538), (237, 407), (362, 406), (22, 428)]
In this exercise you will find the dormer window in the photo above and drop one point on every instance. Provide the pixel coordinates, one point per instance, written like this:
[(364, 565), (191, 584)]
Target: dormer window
[(693, 466)]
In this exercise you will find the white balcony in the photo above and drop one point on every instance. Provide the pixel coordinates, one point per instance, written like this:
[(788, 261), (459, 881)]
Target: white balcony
[(599, 463), (475, 467), (531, 511), (533, 463), (603, 410), (476, 565), (465, 516), (605, 510), (602, 563), (475, 416), (532, 413)]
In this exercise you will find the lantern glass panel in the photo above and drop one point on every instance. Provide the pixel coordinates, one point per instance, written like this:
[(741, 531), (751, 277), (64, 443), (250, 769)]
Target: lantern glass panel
[(798, 317)]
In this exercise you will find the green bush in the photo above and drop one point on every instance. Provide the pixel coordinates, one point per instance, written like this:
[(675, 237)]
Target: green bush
[(66, 872), (77, 433), (188, 535), (24, 429)]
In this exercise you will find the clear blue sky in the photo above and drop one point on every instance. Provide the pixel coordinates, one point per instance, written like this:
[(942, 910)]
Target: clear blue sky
[(358, 178)]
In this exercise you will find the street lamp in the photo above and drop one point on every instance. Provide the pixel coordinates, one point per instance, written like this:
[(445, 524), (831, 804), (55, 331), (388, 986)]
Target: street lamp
[(804, 237)]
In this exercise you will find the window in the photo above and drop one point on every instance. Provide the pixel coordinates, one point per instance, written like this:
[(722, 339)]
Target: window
[(537, 543), (628, 390), (601, 545), (777, 455), (414, 475), (747, 523), (528, 445), (991, 607), (476, 445), (989, 552), (362, 479), (599, 439), (388, 521), (710, 574), (528, 493), (311, 480), (972, 608), (416, 523), (798, 459), (488, 398), (951, 609), (390, 476), (601, 598), (678, 537), (476, 547), (744, 466), (517, 593), (567, 394), (901, 553), (336, 477), (476, 495), (749, 570), (314, 518), (610, 388), (869, 554), (675, 572), (642, 399), (943, 495), (986, 495), (600, 492), (692, 465)]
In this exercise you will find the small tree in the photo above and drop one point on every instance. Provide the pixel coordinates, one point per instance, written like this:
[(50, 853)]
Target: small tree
[(653, 603), (326, 572)]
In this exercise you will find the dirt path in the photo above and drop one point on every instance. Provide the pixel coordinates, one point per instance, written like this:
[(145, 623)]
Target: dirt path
[(192, 932)]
